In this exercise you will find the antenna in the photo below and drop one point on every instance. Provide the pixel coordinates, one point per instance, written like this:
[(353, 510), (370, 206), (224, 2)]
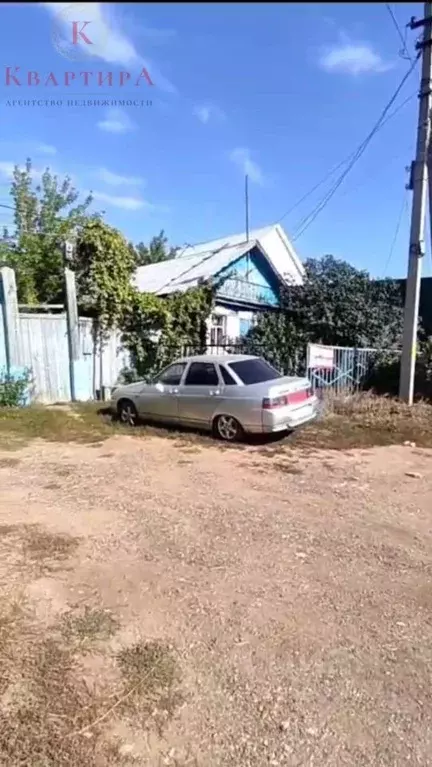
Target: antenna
[(247, 206)]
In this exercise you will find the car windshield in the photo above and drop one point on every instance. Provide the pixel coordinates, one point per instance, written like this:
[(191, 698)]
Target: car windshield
[(254, 371)]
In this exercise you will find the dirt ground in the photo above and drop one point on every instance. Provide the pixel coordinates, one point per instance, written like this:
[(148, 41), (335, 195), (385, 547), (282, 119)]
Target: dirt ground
[(165, 603)]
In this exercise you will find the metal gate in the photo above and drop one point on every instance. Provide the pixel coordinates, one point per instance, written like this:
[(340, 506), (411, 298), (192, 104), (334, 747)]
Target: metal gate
[(342, 369)]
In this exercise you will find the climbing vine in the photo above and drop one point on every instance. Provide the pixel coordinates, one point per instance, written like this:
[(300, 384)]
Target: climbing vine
[(154, 329)]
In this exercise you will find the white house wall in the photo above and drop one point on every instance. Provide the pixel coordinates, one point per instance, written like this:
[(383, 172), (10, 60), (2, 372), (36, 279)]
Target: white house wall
[(233, 320)]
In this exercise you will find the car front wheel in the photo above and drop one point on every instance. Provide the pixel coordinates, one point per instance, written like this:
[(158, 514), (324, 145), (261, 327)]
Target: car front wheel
[(228, 428), (127, 412)]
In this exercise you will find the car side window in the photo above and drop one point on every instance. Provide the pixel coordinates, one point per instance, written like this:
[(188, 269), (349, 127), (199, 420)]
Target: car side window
[(202, 374), (227, 377), (172, 375)]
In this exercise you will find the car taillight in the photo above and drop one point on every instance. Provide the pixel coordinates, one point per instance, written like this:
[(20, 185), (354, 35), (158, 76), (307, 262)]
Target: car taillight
[(293, 398), (269, 403)]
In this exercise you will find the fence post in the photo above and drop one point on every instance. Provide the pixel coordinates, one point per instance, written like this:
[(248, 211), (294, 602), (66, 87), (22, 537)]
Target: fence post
[(10, 317), (72, 328)]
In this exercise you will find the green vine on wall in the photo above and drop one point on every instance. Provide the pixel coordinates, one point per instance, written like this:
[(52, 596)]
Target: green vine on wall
[(154, 329)]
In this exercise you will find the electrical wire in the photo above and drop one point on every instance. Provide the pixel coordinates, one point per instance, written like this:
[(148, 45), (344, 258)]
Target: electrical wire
[(310, 218), (341, 163), (404, 52), (403, 209)]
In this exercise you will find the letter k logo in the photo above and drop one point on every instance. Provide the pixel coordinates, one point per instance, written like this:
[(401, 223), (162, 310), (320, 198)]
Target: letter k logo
[(78, 34)]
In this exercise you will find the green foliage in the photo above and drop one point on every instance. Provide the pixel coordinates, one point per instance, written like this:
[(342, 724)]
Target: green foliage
[(156, 329), (45, 215), (13, 389), (157, 250), (104, 268), (337, 305)]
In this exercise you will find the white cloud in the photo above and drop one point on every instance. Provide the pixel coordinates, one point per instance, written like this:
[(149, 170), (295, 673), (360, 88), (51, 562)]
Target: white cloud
[(117, 201), (108, 41), (352, 58), (45, 149), (206, 112), (114, 179), (116, 121), (6, 168), (242, 158)]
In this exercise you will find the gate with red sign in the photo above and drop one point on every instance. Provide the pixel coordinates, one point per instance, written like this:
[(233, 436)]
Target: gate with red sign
[(342, 369)]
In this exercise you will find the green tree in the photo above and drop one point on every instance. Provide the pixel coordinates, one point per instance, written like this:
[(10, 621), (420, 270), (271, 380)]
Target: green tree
[(337, 305), (104, 266), (157, 250), (46, 214)]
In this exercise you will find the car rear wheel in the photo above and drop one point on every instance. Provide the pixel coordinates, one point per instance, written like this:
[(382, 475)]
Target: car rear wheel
[(227, 427), (127, 412)]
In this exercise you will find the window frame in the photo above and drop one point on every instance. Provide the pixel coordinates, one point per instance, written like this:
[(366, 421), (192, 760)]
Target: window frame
[(196, 362), (157, 380), (231, 373)]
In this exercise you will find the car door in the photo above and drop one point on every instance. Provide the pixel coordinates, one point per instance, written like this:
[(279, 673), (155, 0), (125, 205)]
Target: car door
[(159, 400), (199, 394)]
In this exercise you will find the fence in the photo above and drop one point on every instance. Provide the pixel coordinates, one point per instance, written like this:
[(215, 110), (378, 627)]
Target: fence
[(62, 354), (342, 369)]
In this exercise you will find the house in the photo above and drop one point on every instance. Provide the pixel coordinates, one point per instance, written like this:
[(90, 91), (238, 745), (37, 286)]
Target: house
[(249, 274)]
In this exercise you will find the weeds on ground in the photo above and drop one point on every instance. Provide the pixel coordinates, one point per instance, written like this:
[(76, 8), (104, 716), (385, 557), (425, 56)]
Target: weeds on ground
[(365, 420), (361, 420), (89, 625), (150, 674), (50, 716)]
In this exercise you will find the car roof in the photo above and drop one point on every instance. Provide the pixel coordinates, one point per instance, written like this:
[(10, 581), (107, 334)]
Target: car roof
[(218, 358)]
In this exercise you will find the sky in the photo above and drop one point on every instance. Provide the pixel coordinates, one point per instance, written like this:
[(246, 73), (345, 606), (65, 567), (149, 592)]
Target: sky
[(280, 92)]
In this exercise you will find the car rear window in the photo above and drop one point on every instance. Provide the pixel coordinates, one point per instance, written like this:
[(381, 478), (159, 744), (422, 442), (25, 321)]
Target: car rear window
[(254, 371)]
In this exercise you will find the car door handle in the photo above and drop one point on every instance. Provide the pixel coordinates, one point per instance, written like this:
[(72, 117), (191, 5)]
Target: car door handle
[(173, 391), (213, 393)]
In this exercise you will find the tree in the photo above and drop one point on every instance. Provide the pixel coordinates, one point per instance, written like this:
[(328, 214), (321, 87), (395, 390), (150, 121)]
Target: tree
[(45, 216), (337, 305), (157, 250), (104, 268)]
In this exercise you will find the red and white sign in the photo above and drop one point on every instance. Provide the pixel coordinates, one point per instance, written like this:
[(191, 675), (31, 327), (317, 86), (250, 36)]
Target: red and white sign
[(321, 356)]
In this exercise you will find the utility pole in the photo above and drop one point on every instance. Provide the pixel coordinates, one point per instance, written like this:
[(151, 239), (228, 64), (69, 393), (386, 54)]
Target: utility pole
[(419, 176)]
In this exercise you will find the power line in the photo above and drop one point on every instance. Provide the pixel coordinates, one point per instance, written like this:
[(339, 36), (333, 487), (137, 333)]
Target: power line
[(310, 218), (404, 52), (341, 163), (403, 209)]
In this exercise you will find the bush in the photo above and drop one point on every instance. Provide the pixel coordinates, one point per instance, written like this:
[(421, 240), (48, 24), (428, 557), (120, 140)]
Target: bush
[(13, 389)]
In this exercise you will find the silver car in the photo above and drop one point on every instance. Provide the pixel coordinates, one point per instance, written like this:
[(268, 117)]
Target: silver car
[(228, 394)]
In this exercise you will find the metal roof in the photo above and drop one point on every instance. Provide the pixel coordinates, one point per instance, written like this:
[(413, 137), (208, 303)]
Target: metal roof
[(179, 274), (204, 260)]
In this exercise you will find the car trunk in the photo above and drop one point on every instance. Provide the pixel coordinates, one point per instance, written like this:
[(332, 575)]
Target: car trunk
[(295, 389)]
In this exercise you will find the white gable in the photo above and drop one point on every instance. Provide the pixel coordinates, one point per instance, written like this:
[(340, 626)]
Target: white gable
[(274, 243)]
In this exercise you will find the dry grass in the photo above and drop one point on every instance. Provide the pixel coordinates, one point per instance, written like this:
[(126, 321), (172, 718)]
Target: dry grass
[(365, 420), (49, 714), (89, 625), (150, 675), (361, 420)]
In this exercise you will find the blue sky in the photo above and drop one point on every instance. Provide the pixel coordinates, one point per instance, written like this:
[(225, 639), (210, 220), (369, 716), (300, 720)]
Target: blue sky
[(283, 92)]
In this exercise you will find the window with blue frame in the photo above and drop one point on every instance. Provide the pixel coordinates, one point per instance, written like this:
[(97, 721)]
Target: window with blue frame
[(245, 326)]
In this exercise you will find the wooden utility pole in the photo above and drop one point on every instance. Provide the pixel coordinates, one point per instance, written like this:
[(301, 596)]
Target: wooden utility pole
[(419, 176)]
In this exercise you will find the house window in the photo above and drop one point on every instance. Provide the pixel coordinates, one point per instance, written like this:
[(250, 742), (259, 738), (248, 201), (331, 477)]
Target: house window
[(217, 329)]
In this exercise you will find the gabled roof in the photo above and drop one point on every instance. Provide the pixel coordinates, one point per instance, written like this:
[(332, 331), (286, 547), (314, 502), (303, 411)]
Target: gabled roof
[(179, 274), (206, 259), (273, 241)]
